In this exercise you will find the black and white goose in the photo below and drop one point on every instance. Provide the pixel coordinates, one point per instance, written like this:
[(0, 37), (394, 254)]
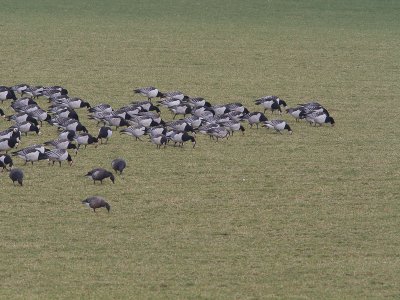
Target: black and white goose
[(179, 137), (40, 115), (74, 103), (220, 109), (34, 91), (296, 112), (6, 160), (22, 102), (66, 112), (134, 131), (118, 165), (218, 133), (61, 143), (238, 107), (96, 202), (17, 175), (72, 124), (105, 132), (103, 107), (8, 143), (149, 92), (199, 102), (6, 94), (99, 174), (20, 88), (182, 109), (145, 105), (278, 125), (269, 103), (233, 126), (30, 155), (159, 140), (319, 118), (178, 95), (11, 132), (59, 155), (169, 102), (86, 139), (68, 135), (22, 117), (255, 118), (26, 127)]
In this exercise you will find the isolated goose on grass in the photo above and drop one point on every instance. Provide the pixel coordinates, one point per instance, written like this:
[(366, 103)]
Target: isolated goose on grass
[(149, 92), (17, 175), (100, 174), (96, 202), (118, 165), (278, 125), (104, 133), (6, 160), (59, 155)]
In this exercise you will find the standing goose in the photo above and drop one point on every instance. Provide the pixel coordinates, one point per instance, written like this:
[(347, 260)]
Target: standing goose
[(118, 165), (96, 202), (104, 133), (86, 139), (61, 143), (278, 125), (8, 143), (149, 92), (6, 93), (134, 131), (269, 103), (100, 174), (6, 160), (30, 155), (174, 95), (181, 138), (319, 118), (26, 127), (22, 117), (17, 175), (58, 155), (255, 118), (159, 140)]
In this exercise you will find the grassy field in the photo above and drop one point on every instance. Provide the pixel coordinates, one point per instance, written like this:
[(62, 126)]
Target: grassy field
[(309, 215)]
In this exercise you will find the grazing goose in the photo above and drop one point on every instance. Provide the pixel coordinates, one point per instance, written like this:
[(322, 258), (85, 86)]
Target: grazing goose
[(233, 126), (146, 105), (67, 134), (30, 155), (115, 121), (22, 102), (75, 103), (134, 131), (96, 202), (199, 102), (8, 143), (255, 118), (103, 107), (175, 95), (86, 139), (61, 143), (104, 133), (26, 127), (278, 125), (238, 107), (40, 115), (156, 130), (100, 174), (296, 112), (269, 103), (118, 165), (319, 118), (159, 140), (6, 160), (220, 109), (181, 138), (33, 91), (66, 112), (59, 155), (17, 175), (22, 117), (218, 133), (149, 92), (28, 108), (202, 111), (182, 109), (6, 93), (169, 102), (20, 88), (72, 124)]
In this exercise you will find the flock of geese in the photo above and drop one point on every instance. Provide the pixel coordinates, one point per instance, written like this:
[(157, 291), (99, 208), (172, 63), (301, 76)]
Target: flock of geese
[(138, 119)]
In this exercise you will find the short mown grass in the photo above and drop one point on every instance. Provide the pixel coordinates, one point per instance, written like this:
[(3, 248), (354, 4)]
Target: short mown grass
[(309, 215)]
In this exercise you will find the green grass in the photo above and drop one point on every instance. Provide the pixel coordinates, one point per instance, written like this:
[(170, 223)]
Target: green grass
[(312, 215)]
